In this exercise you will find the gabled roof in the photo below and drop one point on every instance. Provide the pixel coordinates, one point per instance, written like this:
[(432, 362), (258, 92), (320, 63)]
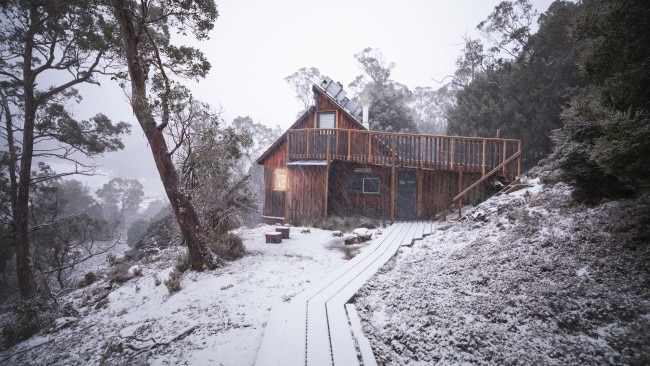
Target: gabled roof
[(281, 139), (308, 113)]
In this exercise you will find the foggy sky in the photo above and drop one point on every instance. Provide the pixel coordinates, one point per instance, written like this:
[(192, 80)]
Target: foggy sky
[(257, 43)]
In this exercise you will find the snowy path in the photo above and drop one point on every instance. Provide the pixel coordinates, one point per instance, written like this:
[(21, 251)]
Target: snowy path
[(318, 327)]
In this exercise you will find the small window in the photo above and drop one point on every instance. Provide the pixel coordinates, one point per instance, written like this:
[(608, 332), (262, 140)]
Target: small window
[(364, 184), (280, 180), (327, 120), (371, 185)]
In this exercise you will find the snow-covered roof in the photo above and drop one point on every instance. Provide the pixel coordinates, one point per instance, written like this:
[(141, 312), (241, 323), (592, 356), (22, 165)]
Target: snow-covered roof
[(308, 162)]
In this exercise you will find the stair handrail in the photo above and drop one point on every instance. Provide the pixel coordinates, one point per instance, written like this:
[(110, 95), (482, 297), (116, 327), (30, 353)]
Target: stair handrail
[(486, 176)]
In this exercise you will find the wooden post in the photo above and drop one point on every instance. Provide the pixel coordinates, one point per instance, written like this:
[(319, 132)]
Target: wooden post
[(422, 152), (393, 192), (452, 153), (349, 151), (504, 158), (288, 145), (460, 189), (336, 141), (307, 142), (287, 194), (327, 178), (483, 169), (369, 147), (519, 160)]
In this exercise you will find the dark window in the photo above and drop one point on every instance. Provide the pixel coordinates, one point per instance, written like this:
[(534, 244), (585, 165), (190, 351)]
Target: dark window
[(364, 184)]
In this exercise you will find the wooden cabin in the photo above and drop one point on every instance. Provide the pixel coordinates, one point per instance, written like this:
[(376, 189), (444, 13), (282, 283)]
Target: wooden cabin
[(329, 163)]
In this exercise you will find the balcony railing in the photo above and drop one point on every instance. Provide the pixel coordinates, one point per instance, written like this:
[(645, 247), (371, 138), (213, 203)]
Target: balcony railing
[(469, 154)]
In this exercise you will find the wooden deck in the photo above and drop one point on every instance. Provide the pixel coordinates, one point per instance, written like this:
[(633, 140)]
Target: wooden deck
[(319, 326), (470, 154)]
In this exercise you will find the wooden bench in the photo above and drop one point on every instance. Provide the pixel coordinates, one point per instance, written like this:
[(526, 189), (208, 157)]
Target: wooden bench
[(274, 237), (284, 231)]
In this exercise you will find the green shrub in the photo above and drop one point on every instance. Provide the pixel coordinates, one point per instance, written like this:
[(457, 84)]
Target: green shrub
[(27, 318), (173, 283), (576, 145), (161, 232), (228, 246), (136, 231), (120, 272), (183, 263)]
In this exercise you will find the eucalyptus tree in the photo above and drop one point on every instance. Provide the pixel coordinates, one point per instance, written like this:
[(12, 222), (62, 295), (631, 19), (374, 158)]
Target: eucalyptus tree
[(388, 101), (46, 49), (66, 229), (301, 82), (521, 95), (121, 198), (153, 66), (210, 157)]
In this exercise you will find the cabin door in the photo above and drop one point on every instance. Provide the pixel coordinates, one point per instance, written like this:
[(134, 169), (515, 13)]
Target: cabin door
[(406, 187)]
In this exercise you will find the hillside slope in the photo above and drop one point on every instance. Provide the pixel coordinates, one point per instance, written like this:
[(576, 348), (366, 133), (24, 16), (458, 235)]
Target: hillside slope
[(529, 278)]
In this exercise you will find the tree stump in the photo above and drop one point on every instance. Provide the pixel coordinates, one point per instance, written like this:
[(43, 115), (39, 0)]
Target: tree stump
[(284, 231), (274, 237)]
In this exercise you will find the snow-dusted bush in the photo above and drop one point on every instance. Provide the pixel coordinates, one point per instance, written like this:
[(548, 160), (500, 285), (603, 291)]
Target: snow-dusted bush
[(173, 283), (228, 246), (28, 317)]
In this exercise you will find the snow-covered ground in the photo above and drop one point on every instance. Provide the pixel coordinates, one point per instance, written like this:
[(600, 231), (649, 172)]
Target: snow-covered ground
[(217, 318), (528, 278)]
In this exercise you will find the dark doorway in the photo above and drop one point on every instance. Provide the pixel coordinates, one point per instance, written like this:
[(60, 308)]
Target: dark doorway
[(406, 187)]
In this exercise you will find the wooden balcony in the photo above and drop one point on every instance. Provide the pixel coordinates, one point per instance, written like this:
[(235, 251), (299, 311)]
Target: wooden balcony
[(466, 154)]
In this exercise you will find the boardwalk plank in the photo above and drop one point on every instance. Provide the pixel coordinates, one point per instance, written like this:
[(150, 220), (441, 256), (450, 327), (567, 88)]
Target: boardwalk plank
[(367, 356), (318, 339), (314, 329), (419, 232), (284, 337), (343, 351)]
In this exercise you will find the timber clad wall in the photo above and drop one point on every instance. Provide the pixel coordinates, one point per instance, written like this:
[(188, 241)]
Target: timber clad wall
[(274, 200), (306, 202), (323, 104), (343, 203), (330, 163), (436, 188)]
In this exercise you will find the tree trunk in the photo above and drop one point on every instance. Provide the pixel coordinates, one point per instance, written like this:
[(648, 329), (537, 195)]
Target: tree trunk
[(24, 272), (200, 256), (20, 209)]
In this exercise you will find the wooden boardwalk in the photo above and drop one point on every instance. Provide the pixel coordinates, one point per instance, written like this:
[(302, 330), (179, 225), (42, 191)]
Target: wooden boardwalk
[(319, 326)]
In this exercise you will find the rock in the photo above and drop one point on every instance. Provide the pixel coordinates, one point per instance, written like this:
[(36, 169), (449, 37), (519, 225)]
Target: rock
[(102, 303), (135, 270), (64, 322), (337, 233), (478, 215), (305, 231), (352, 239), (363, 234)]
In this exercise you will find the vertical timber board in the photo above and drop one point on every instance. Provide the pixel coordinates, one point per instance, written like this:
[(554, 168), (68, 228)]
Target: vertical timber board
[(301, 197), (419, 195), (519, 160), (483, 164), (505, 157), (393, 187), (342, 202), (327, 178)]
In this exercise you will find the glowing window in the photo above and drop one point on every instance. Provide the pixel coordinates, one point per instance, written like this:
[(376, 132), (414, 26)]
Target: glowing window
[(280, 180)]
